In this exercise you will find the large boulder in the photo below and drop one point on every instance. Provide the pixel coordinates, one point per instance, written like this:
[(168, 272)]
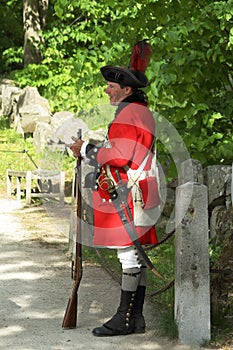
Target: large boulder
[(32, 108), (68, 128), (9, 98), (59, 118), (95, 137)]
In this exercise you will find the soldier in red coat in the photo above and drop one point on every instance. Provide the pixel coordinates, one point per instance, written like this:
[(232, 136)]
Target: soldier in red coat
[(128, 158)]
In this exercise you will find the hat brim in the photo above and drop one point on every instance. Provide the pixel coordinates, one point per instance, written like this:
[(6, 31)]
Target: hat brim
[(124, 76)]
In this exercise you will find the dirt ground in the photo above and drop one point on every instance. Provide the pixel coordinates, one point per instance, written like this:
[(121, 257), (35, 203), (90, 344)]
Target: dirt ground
[(36, 284)]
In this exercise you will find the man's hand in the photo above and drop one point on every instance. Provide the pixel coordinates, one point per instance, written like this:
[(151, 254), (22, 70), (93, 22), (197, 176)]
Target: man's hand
[(76, 146)]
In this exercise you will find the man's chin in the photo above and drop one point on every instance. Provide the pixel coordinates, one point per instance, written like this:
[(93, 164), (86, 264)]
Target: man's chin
[(114, 103)]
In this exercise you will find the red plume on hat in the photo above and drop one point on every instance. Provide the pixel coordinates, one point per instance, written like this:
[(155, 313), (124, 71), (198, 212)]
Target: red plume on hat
[(140, 57)]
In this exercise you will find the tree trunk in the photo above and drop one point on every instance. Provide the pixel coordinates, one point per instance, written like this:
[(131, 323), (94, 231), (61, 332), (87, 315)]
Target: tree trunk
[(34, 19)]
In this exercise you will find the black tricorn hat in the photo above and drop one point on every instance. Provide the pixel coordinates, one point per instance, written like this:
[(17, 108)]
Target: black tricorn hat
[(124, 76)]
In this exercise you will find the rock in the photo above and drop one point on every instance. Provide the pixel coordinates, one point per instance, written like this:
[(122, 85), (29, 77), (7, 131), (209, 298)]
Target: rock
[(216, 222), (67, 129), (218, 180), (10, 96), (42, 133), (94, 137), (32, 108), (59, 118)]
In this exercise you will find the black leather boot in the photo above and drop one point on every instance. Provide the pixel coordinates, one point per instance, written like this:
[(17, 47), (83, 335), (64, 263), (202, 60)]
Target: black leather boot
[(137, 318), (120, 323)]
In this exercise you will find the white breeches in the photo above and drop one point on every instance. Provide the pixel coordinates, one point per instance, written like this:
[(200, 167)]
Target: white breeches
[(128, 257)]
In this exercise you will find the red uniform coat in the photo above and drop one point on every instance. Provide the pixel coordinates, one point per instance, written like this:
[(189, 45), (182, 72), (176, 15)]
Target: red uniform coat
[(130, 135)]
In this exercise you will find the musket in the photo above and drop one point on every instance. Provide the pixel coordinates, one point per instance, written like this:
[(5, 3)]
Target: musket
[(119, 199), (70, 317)]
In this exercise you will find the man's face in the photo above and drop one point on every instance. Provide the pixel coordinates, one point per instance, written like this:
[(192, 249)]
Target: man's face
[(116, 93)]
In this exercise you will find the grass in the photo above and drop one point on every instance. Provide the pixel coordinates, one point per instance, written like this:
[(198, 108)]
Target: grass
[(18, 153)]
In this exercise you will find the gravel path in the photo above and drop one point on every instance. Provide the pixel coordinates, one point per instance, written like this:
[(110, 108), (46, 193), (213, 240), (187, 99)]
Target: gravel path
[(36, 284)]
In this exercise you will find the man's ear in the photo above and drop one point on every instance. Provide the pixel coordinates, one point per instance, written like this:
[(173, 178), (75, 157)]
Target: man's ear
[(128, 90)]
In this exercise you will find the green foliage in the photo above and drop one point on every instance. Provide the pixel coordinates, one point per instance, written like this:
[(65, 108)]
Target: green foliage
[(73, 52), (192, 84), (11, 34), (214, 252), (190, 71)]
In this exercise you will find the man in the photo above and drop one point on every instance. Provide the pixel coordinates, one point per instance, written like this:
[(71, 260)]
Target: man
[(128, 156)]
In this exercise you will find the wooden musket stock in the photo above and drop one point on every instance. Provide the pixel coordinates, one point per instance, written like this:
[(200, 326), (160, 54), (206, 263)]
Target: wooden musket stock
[(70, 317)]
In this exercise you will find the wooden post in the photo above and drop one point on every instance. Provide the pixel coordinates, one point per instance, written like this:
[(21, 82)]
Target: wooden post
[(28, 187), (8, 183), (62, 187), (18, 189)]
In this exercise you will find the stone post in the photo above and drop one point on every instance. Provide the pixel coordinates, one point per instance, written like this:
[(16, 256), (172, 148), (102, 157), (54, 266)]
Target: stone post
[(192, 171), (192, 286)]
